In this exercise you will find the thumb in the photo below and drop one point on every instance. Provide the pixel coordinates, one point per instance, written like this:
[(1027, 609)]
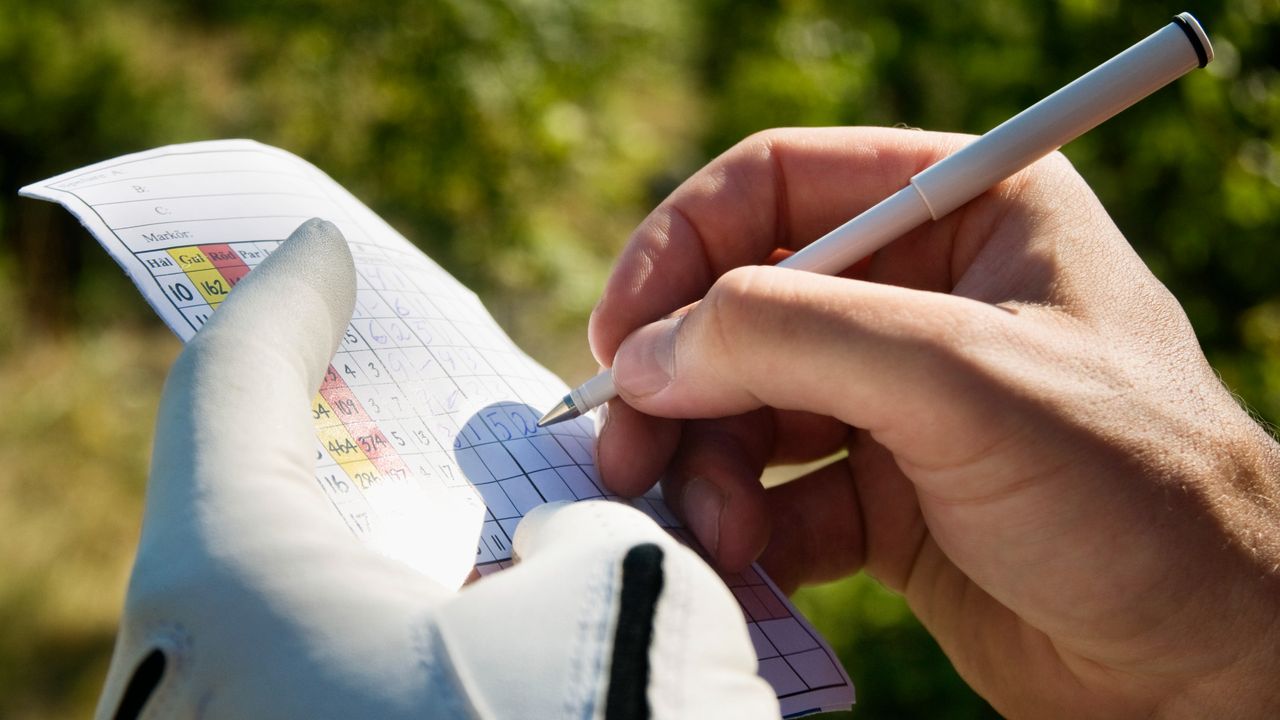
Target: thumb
[(240, 554), (232, 412), (898, 362)]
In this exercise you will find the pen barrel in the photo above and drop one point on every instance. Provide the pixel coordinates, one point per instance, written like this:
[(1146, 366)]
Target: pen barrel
[(882, 223), (1078, 107), (594, 392)]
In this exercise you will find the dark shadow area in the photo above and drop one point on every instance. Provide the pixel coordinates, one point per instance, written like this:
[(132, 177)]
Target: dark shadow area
[(52, 674), (896, 666)]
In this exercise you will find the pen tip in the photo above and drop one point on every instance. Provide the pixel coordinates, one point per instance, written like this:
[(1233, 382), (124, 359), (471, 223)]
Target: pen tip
[(560, 413)]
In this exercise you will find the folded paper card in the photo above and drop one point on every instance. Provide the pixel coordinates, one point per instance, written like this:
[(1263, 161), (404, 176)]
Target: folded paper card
[(426, 435)]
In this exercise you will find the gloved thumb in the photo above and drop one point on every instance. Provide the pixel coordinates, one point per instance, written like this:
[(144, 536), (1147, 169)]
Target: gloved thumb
[(243, 569)]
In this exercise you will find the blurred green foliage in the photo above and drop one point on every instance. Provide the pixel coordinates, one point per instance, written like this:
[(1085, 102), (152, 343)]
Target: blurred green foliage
[(518, 142)]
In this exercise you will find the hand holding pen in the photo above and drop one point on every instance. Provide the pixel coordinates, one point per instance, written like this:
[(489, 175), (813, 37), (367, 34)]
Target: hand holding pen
[(1039, 457), (1109, 88)]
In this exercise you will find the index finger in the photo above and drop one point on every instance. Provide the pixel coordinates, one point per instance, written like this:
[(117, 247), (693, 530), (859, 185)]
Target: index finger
[(777, 189)]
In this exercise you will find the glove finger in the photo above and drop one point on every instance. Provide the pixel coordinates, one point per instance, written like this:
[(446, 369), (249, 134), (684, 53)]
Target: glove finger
[(605, 615)]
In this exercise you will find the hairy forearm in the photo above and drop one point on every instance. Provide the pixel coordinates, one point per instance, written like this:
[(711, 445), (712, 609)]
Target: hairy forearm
[(1249, 686)]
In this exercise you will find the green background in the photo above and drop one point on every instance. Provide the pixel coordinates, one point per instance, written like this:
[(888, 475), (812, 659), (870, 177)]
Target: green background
[(518, 142)]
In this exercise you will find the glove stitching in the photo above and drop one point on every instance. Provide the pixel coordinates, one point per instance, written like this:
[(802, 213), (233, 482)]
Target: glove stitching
[(684, 616), (447, 689), (588, 659), (673, 645)]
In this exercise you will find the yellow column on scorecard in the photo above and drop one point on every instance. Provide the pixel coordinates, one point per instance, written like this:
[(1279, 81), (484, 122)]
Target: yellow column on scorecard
[(339, 443), (363, 473), (322, 412), (190, 259), (346, 451), (208, 279)]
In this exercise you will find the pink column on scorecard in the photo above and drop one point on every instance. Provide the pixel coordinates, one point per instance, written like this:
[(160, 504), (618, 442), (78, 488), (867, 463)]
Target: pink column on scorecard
[(373, 444), (227, 261)]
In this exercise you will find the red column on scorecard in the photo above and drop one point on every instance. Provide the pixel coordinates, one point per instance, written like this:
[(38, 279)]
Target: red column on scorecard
[(228, 262)]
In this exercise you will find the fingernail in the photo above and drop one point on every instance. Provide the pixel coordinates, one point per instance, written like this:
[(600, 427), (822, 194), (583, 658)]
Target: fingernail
[(646, 362), (701, 503)]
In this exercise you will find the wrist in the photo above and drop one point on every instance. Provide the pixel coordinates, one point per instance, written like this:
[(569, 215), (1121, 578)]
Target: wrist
[(1246, 687)]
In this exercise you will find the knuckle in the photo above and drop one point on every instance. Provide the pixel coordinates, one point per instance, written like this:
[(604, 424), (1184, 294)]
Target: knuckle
[(739, 283), (758, 156), (1058, 163), (1054, 171), (739, 295), (1050, 188), (763, 141), (744, 309)]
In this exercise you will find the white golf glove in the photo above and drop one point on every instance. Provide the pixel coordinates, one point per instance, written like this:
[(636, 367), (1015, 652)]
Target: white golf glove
[(250, 598)]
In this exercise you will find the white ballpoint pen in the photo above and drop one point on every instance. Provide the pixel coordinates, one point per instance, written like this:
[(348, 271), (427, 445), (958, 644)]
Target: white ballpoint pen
[(1080, 106)]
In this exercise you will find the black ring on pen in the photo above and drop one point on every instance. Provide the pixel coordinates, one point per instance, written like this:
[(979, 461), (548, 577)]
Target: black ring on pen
[(1201, 55)]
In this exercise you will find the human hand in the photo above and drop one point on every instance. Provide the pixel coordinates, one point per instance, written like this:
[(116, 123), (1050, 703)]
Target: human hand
[(1039, 456), (251, 599)]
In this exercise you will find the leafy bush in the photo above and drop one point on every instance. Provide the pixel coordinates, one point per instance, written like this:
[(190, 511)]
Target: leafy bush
[(518, 142)]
